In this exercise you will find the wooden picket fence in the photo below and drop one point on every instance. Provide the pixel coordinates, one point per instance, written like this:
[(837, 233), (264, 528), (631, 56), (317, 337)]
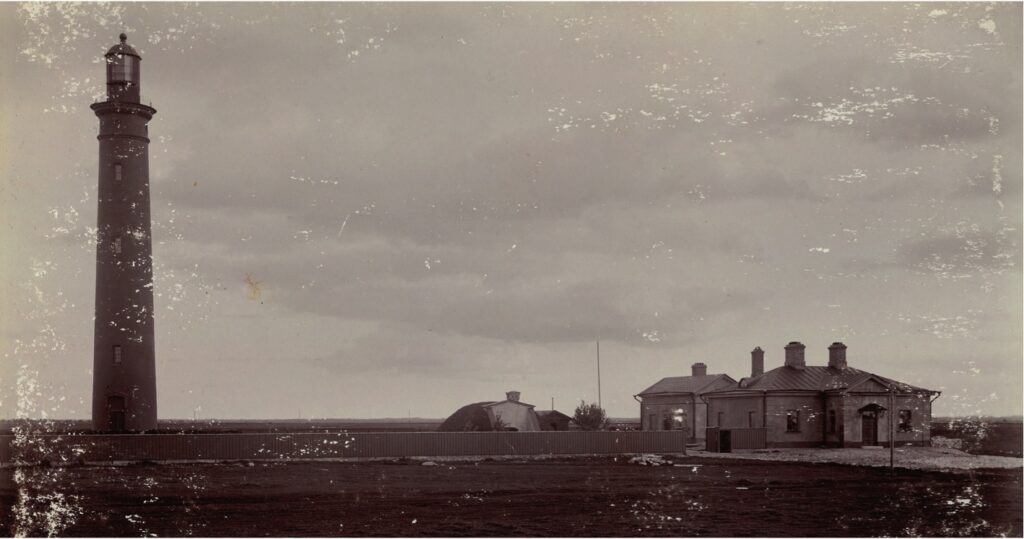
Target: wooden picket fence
[(58, 449)]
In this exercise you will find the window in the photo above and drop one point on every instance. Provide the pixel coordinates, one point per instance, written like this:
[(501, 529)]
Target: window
[(117, 245), (117, 354), (832, 421), (720, 418), (652, 421), (793, 421), (678, 419), (905, 416), (117, 172), (131, 68), (750, 419)]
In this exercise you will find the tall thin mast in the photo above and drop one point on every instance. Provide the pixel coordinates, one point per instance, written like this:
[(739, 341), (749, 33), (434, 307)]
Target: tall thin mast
[(599, 374)]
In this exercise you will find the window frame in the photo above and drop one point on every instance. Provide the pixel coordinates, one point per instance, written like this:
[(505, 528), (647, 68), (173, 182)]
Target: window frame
[(905, 424), (118, 354), (118, 172), (832, 422), (679, 419)]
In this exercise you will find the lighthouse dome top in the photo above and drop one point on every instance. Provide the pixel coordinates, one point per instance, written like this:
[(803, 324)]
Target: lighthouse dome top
[(123, 48)]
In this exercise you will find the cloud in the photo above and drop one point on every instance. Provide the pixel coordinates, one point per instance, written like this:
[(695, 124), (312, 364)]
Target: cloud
[(964, 251), (557, 304), (896, 104)]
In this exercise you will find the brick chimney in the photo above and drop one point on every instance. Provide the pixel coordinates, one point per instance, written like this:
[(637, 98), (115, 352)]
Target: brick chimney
[(795, 355), (837, 356), (699, 369), (756, 362), (512, 396)]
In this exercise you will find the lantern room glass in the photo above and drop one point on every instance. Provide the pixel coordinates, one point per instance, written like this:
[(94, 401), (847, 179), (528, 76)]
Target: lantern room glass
[(123, 68)]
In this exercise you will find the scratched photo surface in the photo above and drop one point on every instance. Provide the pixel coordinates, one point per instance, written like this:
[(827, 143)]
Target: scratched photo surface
[(480, 269)]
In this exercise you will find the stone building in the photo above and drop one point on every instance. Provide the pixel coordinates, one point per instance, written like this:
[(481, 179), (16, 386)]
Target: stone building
[(674, 403), (810, 406)]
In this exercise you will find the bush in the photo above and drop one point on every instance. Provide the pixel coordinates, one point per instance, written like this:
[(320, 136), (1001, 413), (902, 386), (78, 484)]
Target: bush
[(590, 416)]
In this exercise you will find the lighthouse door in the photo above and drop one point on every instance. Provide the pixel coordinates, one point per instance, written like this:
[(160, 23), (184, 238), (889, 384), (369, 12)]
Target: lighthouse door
[(115, 413)]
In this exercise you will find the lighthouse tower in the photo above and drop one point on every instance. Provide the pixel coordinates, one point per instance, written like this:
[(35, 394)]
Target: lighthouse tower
[(124, 363)]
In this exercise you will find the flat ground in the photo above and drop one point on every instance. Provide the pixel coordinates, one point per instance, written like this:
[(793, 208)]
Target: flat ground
[(689, 496), (918, 458)]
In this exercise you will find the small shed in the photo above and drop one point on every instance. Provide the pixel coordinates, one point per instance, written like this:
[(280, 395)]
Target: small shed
[(553, 420)]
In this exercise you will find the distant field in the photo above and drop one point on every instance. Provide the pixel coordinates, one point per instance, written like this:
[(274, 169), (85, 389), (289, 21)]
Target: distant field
[(983, 436), (563, 497), (259, 425)]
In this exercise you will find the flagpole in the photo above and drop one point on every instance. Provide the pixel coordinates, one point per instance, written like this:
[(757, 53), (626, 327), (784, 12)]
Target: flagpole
[(892, 442), (599, 375)]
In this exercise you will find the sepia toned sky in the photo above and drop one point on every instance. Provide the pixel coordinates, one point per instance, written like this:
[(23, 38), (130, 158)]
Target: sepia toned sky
[(382, 210)]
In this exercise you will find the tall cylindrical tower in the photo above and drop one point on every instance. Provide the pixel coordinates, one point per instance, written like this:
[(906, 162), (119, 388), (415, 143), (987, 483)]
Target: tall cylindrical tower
[(124, 360)]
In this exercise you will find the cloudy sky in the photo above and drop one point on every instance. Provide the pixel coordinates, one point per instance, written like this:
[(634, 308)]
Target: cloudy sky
[(391, 209)]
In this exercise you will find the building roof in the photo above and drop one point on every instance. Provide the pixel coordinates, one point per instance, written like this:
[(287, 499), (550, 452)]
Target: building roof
[(551, 413), (472, 417), (817, 378), (684, 384), (495, 403)]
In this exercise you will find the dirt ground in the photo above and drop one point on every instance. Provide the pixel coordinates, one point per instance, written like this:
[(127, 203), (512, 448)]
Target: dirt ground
[(690, 496)]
